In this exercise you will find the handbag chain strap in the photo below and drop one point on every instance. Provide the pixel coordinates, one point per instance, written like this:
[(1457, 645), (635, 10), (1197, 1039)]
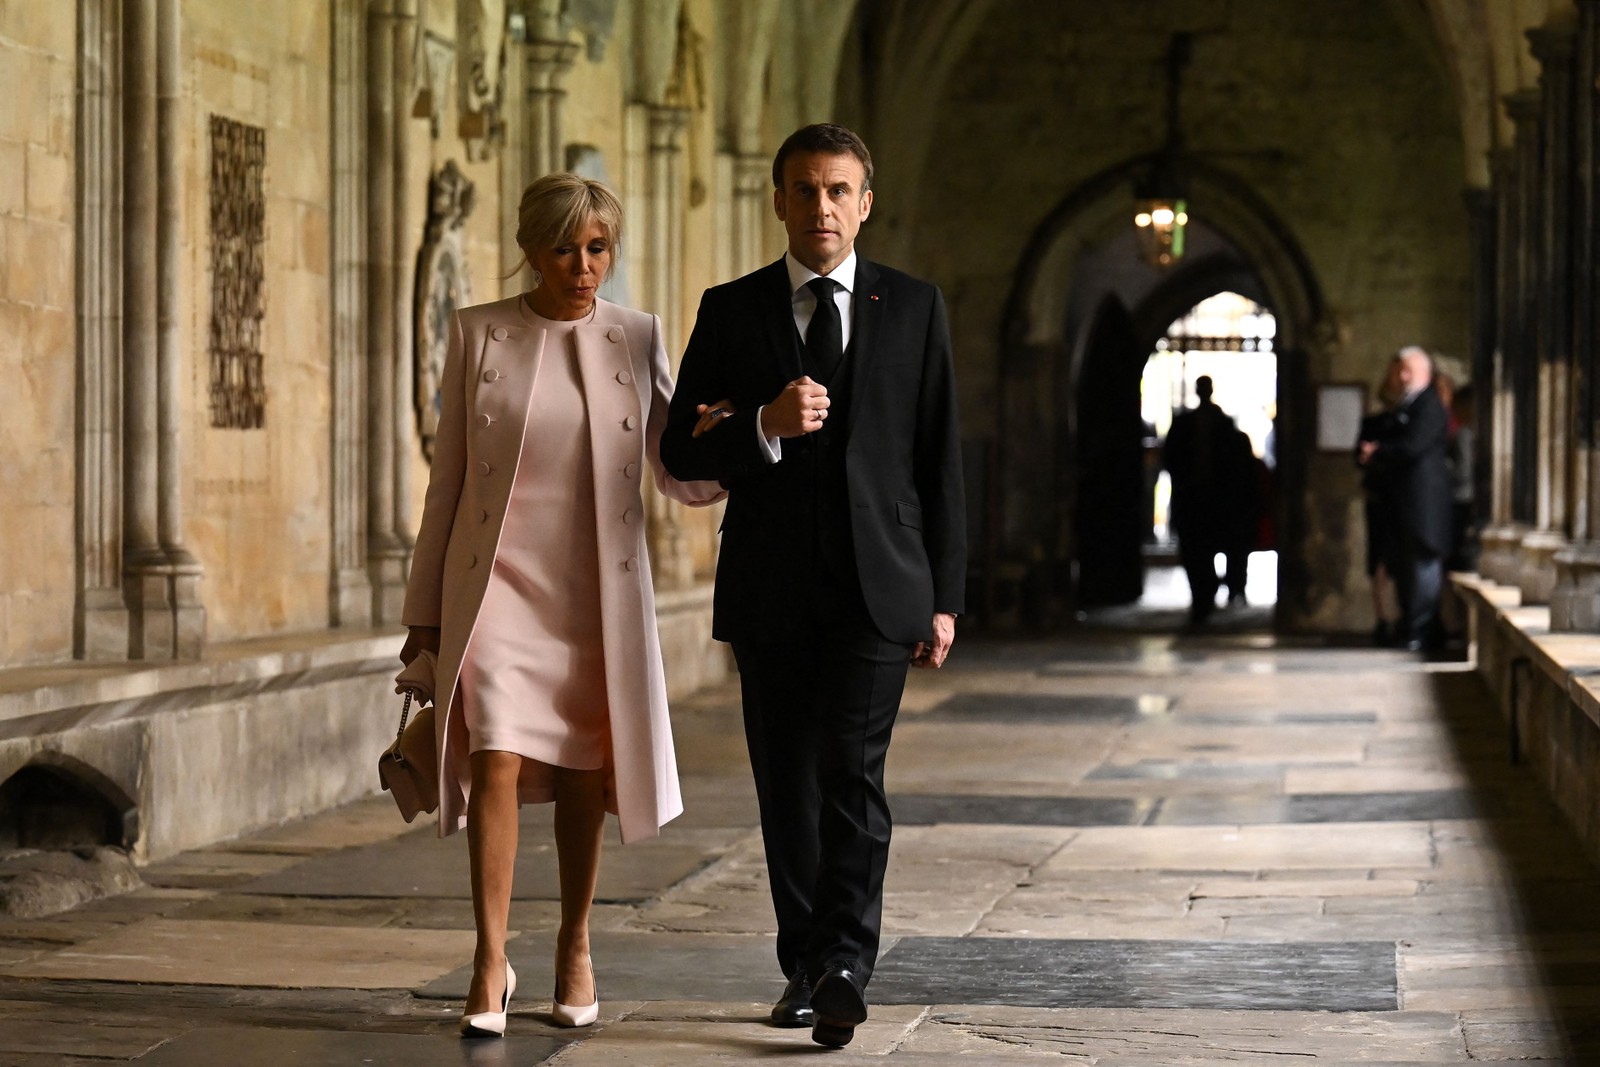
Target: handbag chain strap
[(405, 711)]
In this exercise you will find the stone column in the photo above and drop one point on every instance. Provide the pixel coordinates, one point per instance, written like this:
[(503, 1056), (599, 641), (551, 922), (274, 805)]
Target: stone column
[(100, 617), (663, 256), (752, 200), (401, 303), (1575, 604), (350, 590), (535, 66), (1532, 498), (154, 579), (1502, 535), (182, 568), (386, 550), (1555, 46), (1480, 205)]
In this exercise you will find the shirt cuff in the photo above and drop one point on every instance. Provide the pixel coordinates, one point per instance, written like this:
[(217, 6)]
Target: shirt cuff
[(770, 448)]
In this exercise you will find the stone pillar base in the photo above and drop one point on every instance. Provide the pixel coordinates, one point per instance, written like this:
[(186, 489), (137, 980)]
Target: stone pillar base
[(166, 619), (1536, 576), (1500, 559), (386, 571), (1575, 601), (102, 625), (350, 598)]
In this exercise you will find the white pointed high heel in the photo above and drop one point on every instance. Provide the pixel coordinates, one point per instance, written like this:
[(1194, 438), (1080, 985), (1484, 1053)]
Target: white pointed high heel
[(491, 1023), (583, 1015)]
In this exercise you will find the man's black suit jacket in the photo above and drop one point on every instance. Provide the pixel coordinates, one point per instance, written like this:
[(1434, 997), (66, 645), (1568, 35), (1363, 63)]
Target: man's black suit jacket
[(1412, 461), (902, 464)]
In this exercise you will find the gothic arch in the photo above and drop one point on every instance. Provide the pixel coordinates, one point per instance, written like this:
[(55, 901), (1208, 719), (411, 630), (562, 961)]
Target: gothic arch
[(1028, 549)]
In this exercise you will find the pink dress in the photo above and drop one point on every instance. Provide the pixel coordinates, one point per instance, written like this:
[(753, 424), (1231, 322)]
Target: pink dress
[(533, 678)]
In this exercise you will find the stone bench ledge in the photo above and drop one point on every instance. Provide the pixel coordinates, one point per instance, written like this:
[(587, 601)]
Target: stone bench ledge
[(1570, 660), (59, 696)]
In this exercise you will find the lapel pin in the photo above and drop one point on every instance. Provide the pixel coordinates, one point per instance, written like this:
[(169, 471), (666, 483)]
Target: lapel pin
[(872, 296)]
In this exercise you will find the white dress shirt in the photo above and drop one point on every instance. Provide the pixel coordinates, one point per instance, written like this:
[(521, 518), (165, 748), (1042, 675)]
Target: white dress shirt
[(803, 302)]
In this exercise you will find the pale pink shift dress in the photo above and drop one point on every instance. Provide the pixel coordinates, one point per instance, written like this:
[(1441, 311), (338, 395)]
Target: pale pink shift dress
[(533, 679)]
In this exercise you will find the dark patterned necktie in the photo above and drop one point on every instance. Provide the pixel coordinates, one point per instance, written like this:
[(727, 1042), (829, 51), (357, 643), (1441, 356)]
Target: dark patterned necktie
[(825, 334)]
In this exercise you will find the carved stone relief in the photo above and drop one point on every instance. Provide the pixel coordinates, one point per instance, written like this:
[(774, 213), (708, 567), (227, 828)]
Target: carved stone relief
[(436, 57), (237, 217), (442, 287), (481, 39)]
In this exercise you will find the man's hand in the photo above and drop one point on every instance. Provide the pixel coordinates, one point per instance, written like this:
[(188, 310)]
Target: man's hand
[(710, 415), (1367, 449), (798, 410), (420, 637), (932, 654)]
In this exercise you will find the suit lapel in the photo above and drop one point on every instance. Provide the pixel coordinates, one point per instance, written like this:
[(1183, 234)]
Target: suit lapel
[(865, 320), (780, 322)]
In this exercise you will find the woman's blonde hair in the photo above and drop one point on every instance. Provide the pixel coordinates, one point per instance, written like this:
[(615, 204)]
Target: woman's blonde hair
[(556, 207)]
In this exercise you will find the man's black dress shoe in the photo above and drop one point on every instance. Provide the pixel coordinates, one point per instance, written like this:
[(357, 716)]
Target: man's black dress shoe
[(840, 1007), (794, 1007)]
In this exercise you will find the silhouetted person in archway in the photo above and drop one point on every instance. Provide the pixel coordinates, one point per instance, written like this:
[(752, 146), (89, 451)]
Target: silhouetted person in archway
[(1412, 455), (1202, 455), (1244, 483)]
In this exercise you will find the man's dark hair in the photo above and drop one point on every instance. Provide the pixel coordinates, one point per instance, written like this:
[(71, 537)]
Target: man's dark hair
[(1202, 387), (823, 137)]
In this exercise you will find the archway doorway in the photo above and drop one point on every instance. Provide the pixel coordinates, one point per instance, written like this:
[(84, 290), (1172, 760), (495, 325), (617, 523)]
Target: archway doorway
[(1228, 341), (1085, 315)]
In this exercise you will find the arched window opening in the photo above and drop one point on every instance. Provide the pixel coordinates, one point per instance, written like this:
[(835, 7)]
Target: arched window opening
[(47, 806)]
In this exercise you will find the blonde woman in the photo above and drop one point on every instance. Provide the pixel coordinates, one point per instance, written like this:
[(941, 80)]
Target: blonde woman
[(531, 582)]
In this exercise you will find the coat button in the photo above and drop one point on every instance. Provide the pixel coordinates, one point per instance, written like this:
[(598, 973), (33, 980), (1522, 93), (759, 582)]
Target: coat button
[(630, 563), (483, 467), (624, 377), (499, 333), (627, 517), (484, 421), (472, 561), (614, 334), (630, 471), (491, 375), (483, 514), (630, 422)]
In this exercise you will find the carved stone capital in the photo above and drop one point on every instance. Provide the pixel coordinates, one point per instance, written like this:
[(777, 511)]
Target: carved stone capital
[(1536, 576), (667, 125), (1499, 561), (752, 175), (546, 62), (1575, 602)]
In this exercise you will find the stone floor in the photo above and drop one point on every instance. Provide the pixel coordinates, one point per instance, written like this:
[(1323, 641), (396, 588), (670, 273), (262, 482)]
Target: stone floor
[(1120, 847)]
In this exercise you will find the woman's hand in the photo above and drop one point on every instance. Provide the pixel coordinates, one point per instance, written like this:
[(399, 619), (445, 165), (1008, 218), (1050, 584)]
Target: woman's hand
[(711, 414), (420, 637)]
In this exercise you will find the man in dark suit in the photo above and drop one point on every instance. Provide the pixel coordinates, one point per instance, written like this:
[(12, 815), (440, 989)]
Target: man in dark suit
[(820, 391), (1412, 454)]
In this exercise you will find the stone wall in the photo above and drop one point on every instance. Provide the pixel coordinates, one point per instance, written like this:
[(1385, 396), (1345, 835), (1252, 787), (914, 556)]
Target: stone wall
[(258, 499), (37, 69)]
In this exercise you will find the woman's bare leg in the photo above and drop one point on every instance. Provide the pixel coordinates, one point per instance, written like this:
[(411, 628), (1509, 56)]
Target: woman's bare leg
[(492, 840), (580, 824)]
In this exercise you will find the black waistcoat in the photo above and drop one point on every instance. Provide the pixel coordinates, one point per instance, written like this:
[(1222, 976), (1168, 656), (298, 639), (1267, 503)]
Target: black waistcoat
[(824, 456)]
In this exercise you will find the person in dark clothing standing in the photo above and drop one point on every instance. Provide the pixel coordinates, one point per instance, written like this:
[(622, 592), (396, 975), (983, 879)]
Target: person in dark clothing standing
[(1245, 483), (1411, 453), (1202, 455)]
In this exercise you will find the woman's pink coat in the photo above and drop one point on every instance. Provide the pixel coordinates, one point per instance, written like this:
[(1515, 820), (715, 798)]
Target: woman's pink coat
[(489, 377)]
